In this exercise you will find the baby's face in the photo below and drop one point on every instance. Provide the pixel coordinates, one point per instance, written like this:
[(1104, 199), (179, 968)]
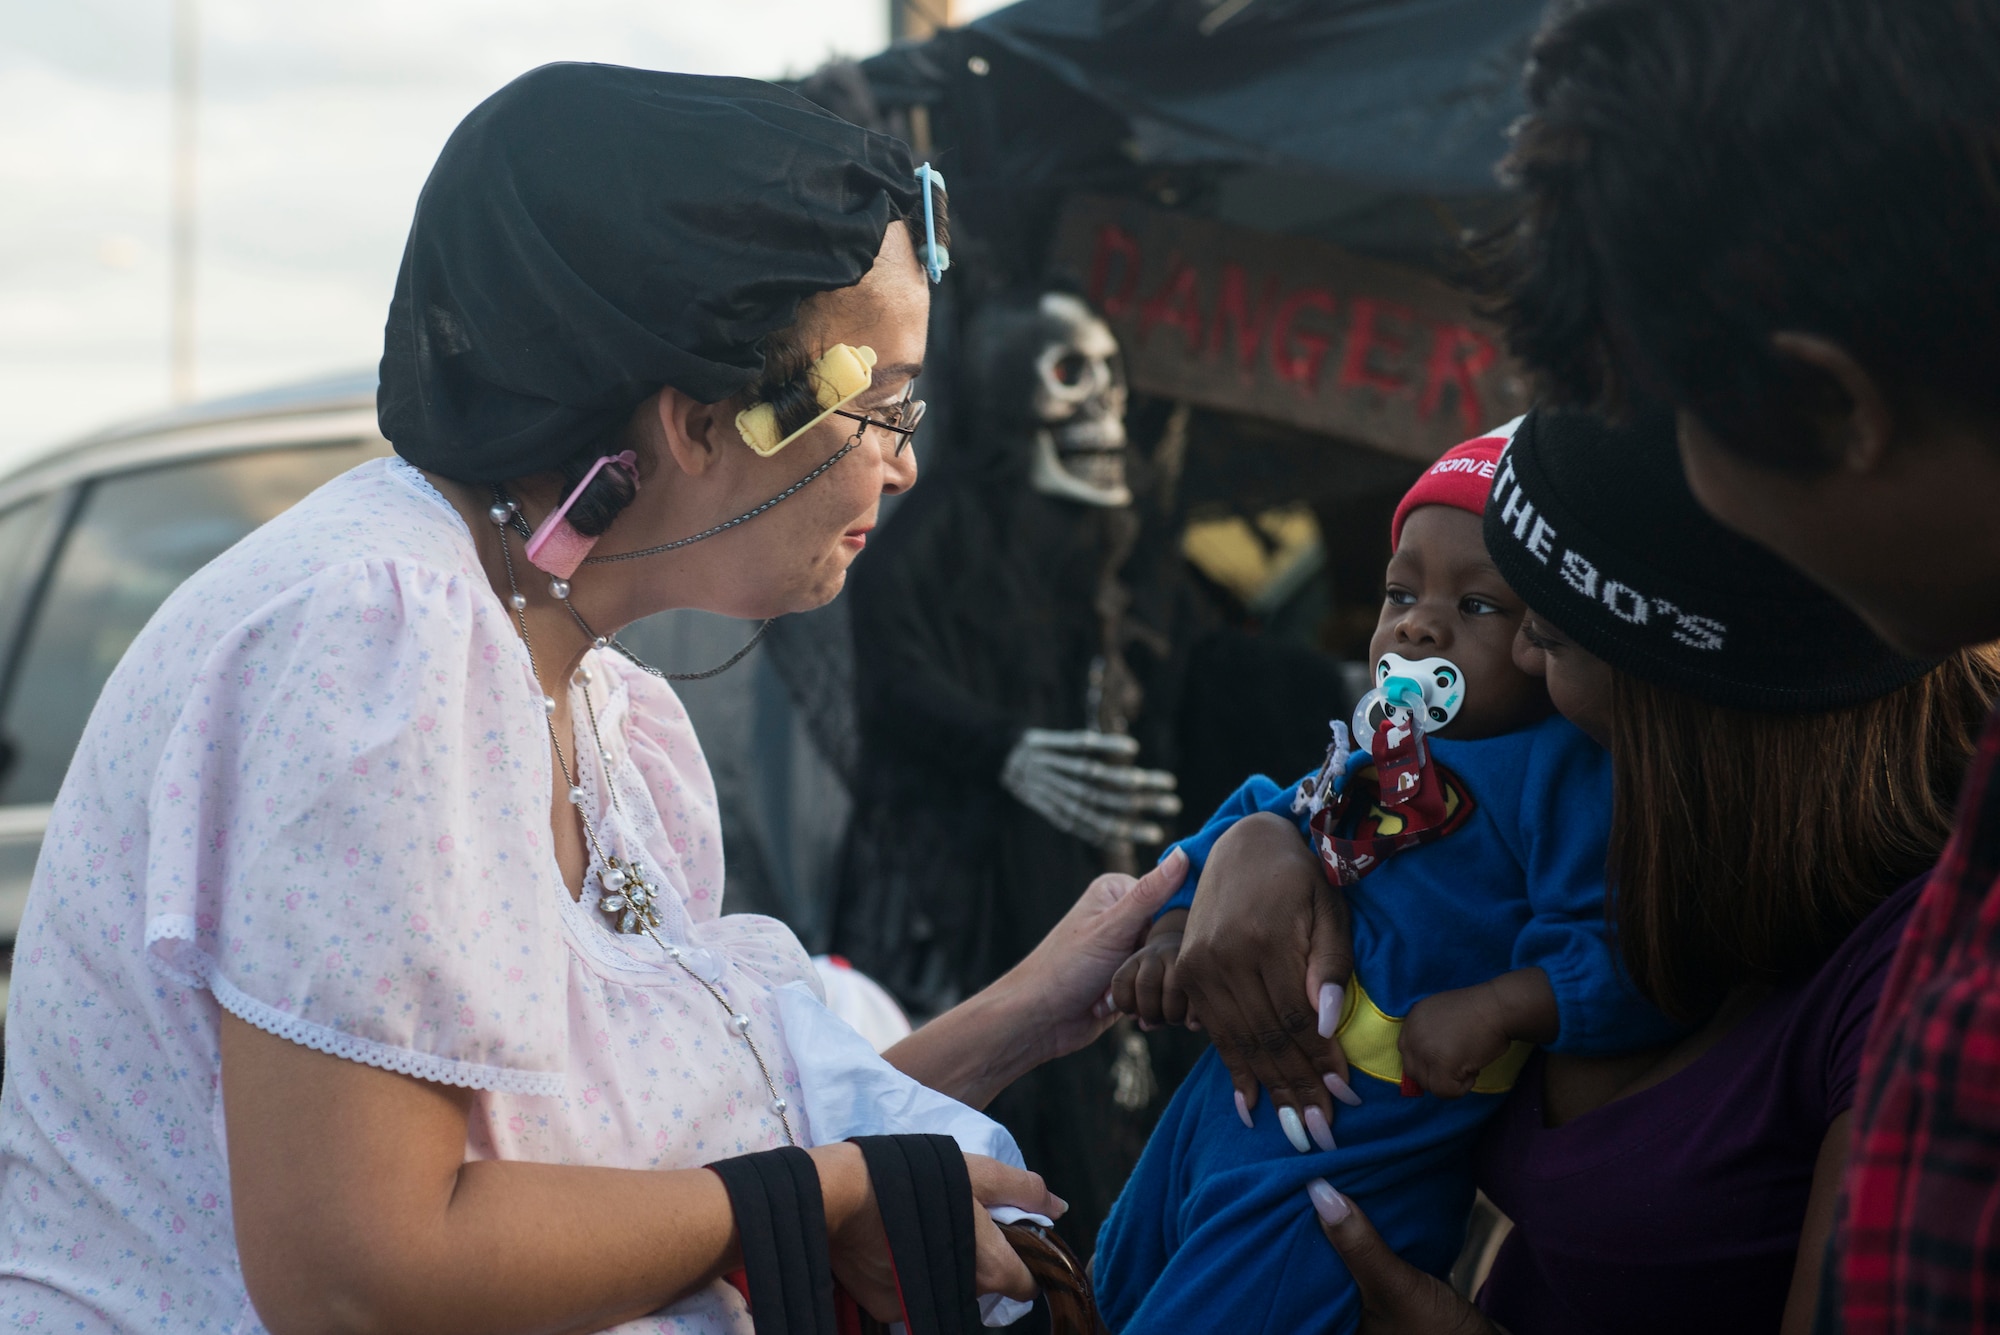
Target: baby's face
[(1445, 599)]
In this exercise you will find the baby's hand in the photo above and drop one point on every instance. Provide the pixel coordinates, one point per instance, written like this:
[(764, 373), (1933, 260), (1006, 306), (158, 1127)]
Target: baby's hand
[(1144, 985), (1450, 1037)]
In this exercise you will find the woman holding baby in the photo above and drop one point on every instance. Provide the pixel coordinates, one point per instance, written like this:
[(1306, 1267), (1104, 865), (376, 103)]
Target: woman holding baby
[(1780, 783)]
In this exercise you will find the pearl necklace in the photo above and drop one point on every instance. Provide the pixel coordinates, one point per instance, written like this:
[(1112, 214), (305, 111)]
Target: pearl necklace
[(628, 901)]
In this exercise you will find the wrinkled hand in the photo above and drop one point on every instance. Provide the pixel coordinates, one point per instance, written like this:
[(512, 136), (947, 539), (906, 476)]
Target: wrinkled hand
[(1396, 1297), (1052, 1003), (1085, 784), (1264, 961), (1067, 978), (1448, 1038), (859, 1248), (1144, 985)]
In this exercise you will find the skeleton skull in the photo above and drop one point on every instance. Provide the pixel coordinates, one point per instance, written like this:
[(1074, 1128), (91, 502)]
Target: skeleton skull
[(1079, 401)]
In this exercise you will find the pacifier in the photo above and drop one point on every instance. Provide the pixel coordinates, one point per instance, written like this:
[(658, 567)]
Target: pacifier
[(1432, 689)]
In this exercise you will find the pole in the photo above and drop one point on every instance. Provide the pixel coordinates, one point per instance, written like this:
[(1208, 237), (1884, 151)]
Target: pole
[(918, 20), (186, 72)]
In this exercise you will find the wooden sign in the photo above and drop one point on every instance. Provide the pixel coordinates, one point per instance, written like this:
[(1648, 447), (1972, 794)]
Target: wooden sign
[(1289, 328)]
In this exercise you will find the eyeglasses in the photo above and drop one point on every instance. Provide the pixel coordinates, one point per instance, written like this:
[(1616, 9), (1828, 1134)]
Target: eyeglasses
[(906, 413)]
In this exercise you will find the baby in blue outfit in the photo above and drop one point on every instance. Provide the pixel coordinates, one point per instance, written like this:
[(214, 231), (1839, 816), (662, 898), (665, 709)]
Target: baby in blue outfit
[(1473, 865)]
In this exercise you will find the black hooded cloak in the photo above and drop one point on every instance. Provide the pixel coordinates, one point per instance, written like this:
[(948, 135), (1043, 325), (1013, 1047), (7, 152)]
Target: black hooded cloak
[(975, 618)]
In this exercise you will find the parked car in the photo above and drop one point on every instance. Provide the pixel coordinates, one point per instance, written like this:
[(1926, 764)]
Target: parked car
[(95, 534)]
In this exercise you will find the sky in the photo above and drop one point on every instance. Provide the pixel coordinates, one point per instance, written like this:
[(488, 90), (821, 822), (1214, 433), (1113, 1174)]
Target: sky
[(318, 123)]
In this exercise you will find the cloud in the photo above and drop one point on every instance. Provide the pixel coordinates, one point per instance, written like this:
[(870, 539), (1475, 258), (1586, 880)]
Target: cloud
[(318, 124)]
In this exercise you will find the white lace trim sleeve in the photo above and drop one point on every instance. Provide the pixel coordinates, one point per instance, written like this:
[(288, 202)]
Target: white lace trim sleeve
[(189, 966)]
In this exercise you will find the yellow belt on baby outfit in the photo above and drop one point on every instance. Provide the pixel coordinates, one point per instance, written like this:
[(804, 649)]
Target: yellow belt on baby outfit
[(1369, 1037)]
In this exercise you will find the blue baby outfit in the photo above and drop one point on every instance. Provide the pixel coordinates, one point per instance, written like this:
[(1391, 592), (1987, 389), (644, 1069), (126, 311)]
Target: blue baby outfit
[(1214, 1232)]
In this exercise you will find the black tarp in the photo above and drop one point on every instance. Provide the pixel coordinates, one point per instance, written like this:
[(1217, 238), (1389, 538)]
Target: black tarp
[(1375, 124), (1392, 94)]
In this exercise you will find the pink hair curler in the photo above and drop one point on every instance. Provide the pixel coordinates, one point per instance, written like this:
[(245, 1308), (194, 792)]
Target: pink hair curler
[(556, 546)]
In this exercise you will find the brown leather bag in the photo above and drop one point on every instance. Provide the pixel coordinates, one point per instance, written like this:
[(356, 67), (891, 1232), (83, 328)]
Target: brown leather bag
[(1072, 1306)]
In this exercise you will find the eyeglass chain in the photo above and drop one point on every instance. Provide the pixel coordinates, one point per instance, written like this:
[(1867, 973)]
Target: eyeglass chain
[(626, 898), (726, 525)]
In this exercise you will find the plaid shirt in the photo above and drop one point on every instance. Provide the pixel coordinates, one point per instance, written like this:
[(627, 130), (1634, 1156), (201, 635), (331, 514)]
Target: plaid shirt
[(1919, 1247)]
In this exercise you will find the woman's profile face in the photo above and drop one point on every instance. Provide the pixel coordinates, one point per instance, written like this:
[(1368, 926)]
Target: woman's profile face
[(818, 533), (1579, 681), (795, 556)]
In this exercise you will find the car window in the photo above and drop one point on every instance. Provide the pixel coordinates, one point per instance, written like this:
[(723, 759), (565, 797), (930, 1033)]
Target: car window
[(136, 536), (24, 531)]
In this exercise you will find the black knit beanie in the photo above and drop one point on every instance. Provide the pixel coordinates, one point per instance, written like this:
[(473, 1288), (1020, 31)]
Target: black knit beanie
[(1595, 528)]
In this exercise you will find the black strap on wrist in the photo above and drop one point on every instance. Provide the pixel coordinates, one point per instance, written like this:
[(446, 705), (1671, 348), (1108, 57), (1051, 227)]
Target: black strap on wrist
[(781, 1219), (924, 1194)]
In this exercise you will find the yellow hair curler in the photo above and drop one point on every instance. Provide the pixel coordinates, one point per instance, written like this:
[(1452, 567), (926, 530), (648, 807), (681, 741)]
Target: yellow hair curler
[(838, 378)]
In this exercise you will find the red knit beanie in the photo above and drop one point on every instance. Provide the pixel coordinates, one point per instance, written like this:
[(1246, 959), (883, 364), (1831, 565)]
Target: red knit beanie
[(1460, 478)]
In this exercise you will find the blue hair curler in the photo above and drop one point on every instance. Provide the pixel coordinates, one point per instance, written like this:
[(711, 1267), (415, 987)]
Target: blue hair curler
[(935, 258)]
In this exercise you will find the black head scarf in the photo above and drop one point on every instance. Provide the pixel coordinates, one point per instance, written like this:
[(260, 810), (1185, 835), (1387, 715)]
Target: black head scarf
[(592, 233)]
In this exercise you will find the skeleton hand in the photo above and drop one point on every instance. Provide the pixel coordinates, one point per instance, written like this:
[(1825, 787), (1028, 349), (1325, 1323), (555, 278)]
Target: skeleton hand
[(1085, 784)]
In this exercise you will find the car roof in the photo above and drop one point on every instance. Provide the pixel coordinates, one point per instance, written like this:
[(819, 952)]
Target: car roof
[(330, 410)]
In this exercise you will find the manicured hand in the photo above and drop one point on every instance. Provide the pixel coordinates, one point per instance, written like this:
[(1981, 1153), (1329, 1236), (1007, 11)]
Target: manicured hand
[(1263, 961), (1450, 1037), (1396, 1297), (1144, 985)]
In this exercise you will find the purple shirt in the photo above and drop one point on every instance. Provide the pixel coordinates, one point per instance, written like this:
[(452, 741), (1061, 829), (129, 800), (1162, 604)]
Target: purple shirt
[(1678, 1208)]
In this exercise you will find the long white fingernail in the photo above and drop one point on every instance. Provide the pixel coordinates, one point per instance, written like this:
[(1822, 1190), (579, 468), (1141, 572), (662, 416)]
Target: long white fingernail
[(1316, 1126), (1243, 1109), (1341, 1090), (1330, 997), (1327, 1202), (1294, 1129)]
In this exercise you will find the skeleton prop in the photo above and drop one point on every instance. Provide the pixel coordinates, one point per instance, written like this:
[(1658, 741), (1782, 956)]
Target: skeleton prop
[(992, 630), (1079, 402), (1083, 782)]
